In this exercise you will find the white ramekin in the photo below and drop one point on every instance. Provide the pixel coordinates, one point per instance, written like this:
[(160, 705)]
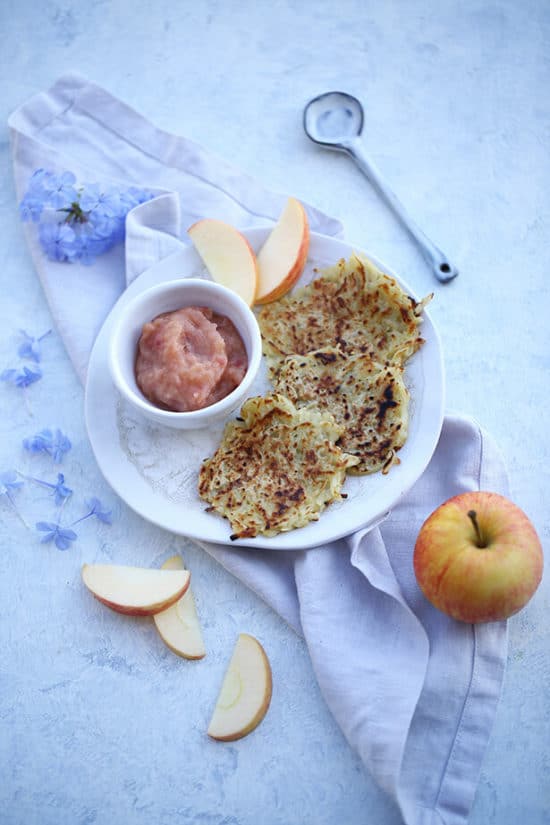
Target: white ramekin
[(167, 297)]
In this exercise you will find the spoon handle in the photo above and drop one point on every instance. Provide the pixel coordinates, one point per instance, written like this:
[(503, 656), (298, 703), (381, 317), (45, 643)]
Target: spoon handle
[(442, 268)]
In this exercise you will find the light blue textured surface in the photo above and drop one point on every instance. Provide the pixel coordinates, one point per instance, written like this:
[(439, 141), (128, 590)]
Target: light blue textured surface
[(100, 722)]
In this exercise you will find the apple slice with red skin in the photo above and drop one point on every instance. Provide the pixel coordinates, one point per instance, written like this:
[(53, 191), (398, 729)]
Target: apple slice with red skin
[(245, 694), (179, 625), (478, 557), (227, 255), (135, 591), (283, 256)]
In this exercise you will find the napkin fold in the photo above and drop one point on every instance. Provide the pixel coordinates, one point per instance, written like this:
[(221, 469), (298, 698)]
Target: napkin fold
[(414, 692)]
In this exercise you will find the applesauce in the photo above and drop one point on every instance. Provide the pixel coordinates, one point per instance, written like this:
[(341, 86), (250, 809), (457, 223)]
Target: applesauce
[(189, 358)]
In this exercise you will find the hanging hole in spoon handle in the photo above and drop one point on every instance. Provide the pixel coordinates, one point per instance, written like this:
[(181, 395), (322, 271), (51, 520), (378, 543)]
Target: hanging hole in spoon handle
[(445, 271)]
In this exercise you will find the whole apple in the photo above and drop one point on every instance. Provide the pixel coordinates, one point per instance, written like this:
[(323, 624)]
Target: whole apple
[(478, 557)]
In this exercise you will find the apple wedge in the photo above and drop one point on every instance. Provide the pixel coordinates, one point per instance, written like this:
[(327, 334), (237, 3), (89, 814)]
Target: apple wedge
[(135, 591), (227, 255), (245, 693), (282, 258), (179, 625)]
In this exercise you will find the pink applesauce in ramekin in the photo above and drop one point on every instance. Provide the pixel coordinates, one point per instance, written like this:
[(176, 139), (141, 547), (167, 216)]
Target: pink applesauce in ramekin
[(189, 358)]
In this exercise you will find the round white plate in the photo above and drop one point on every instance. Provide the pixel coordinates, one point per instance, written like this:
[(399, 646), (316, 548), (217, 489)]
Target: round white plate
[(155, 469)]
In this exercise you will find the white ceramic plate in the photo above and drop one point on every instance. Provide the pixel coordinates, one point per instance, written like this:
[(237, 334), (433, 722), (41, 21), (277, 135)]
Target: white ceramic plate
[(155, 469)]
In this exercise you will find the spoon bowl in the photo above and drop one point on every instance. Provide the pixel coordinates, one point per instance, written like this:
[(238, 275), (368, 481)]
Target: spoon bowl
[(334, 120)]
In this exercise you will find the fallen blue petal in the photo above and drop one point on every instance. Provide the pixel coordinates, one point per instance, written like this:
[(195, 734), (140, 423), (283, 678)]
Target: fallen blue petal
[(27, 377), (61, 536), (60, 445), (9, 481), (30, 348), (46, 442), (59, 490), (8, 375), (95, 509), (39, 443), (21, 378)]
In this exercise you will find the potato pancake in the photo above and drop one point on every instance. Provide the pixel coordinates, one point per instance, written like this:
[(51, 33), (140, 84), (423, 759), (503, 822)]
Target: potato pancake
[(368, 400), (276, 469), (352, 305)]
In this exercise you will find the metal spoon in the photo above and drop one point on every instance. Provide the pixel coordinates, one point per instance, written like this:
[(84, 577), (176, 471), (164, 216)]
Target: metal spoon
[(335, 120)]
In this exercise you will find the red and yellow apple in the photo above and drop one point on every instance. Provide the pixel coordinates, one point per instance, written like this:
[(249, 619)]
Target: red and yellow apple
[(282, 258), (135, 591), (478, 557), (179, 625), (227, 255), (245, 693)]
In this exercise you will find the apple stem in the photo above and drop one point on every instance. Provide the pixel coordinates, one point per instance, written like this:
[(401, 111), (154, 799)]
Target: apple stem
[(472, 515)]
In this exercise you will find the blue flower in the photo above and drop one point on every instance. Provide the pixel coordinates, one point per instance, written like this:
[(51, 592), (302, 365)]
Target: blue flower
[(133, 196), (94, 242), (94, 216), (39, 443), (61, 536), (21, 378), (39, 183), (30, 348), (46, 442), (30, 208), (60, 192), (59, 490), (59, 241), (9, 484), (94, 200), (60, 446), (95, 509), (35, 198)]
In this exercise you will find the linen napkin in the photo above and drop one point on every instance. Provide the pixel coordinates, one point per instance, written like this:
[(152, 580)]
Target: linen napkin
[(414, 692)]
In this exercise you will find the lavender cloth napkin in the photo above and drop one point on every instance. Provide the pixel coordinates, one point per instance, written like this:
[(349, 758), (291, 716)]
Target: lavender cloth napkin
[(414, 692)]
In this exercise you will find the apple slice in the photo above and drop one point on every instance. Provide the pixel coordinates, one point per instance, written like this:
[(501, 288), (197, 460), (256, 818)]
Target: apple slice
[(227, 255), (245, 693), (282, 258), (179, 624), (135, 591)]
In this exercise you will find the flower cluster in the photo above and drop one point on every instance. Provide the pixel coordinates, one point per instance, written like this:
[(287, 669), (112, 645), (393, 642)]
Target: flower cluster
[(92, 217), (54, 445)]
